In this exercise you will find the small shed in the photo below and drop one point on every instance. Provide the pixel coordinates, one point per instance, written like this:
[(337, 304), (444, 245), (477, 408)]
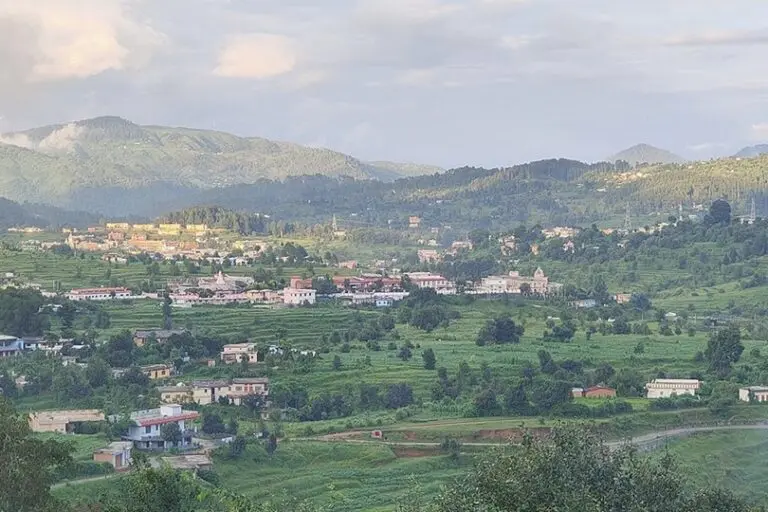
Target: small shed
[(117, 454)]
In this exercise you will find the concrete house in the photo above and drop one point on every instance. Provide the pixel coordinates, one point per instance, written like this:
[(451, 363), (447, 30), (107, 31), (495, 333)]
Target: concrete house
[(760, 393), (156, 371), (665, 388), (237, 352), (145, 433), (299, 296), (175, 394), (206, 392), (61, 422), (118, 454), (141, 336), (243, 387), (10, 346)]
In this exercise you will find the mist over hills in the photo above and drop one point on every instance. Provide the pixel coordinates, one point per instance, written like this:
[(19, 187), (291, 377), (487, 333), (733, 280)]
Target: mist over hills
[(63, 164)]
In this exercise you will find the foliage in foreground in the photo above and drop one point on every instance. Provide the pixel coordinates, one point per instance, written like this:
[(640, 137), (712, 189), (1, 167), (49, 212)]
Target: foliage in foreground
[(577, 471)]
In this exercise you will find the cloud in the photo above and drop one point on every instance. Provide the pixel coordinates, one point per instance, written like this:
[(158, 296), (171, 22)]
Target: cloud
[(257, 56), (720, 38), (66, 39)]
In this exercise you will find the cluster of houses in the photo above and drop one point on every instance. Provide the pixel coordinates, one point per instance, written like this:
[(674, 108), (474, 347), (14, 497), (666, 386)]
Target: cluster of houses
[(206, 392)]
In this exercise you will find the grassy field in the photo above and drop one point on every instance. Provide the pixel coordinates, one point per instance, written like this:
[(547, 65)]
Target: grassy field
[(348, 477), (265, 325), (733, 460)]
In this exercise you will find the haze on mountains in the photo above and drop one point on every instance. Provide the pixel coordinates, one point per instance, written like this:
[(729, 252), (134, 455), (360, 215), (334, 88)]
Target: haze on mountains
[(646, 154), (66, 164), (752, 151)]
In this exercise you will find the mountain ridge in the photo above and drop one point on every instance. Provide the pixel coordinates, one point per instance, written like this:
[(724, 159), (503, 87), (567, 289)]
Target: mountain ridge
[(646, 154), (52, 163), (752, 151)]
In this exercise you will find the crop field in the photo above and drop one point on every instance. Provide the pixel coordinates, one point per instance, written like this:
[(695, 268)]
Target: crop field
[(347, 476), (304, 326)]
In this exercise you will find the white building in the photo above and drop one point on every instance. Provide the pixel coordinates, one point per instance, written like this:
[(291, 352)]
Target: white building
[(299, 296), (145, 433), (759, 392), (664, 388), (513, 283), (99, 294), (426, 280)]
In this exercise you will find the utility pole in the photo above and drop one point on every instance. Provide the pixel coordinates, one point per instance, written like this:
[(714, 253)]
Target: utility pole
[(753, 212)]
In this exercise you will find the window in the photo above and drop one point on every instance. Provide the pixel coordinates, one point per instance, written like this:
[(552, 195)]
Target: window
[(148, 429)]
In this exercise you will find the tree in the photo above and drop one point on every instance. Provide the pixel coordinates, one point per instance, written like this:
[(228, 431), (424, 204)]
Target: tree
[(398, 395), (405, 353), (98, 372), (429, 359), (213, 424), (167, 312), (27, 465), (254, 403), (499, 331), (336, 362), (720, 212), (171, 433), (271, 444), (723, 349), (609, 480)]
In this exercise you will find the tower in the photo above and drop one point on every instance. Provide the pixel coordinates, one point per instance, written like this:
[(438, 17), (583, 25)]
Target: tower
[(628, 220)]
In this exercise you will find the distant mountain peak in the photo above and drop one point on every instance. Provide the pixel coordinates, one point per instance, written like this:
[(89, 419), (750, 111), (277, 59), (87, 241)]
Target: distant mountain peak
[(752, 151), (646, 153)]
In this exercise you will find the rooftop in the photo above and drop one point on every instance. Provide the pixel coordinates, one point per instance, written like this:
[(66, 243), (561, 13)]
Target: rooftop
[(251, 380), (210, 383)]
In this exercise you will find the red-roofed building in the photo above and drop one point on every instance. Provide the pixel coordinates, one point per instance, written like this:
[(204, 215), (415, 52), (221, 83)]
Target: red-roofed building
[(145, 433)]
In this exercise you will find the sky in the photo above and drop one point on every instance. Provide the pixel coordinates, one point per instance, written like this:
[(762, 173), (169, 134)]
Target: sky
[(443, 82)]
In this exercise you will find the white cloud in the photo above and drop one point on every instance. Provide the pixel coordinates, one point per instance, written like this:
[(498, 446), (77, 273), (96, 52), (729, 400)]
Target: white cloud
[(78, 38), (257, 56)]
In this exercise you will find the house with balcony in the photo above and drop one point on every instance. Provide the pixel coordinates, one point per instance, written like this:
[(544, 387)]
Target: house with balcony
[(10, 346), (243, 387), (145, 433), (237, 352), (427, 280)]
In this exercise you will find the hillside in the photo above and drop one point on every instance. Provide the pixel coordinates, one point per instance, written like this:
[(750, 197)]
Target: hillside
[(646, 154), (550, 192), (61, 164), (752, 151), (13, 214)]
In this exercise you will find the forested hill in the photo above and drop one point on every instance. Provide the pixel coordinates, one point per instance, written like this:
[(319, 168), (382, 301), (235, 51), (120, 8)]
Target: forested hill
[(92, 163), (550, 192), (13, 214), (217, 217)]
